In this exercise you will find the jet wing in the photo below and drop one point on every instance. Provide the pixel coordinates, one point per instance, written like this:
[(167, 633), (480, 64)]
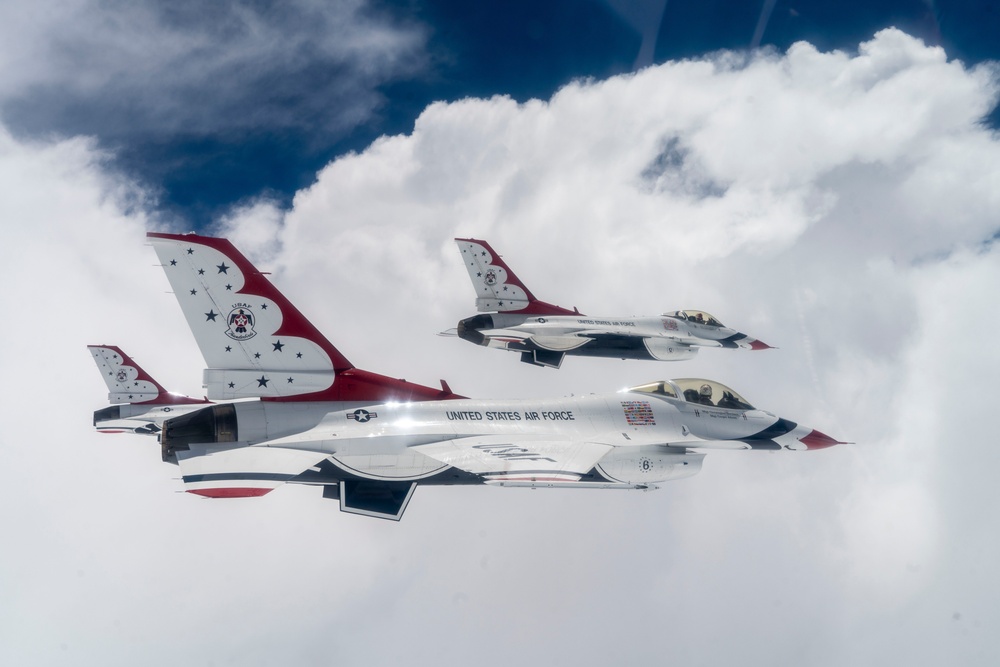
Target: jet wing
[(522, 459), (238, 471)]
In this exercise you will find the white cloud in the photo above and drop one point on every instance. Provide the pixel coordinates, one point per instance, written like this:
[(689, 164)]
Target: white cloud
[(835, 205), (116, 68)]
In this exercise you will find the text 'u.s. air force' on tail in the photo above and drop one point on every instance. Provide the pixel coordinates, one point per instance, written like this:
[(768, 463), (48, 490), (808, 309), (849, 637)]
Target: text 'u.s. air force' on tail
[(287, 407), (513, 319)]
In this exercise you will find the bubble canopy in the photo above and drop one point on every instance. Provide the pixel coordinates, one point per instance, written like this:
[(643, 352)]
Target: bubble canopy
[(696, 316), (696, 390)]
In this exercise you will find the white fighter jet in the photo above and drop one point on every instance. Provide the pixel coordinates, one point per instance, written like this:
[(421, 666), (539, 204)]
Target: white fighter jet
[(139, 404), (299, 412), (544, 333)]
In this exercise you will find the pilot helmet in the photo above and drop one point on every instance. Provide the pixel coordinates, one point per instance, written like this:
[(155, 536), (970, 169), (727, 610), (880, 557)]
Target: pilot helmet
[(706, 391)]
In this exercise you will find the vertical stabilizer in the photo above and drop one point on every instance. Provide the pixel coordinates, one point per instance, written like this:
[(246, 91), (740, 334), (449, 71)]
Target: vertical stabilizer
[(129, 383), (255, 342), (497, 288)]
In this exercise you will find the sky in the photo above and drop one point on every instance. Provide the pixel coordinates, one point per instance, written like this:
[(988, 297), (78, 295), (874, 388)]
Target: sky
[(826, 180)]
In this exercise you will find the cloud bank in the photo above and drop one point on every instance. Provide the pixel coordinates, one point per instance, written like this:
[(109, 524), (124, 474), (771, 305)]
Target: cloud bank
[(841, 206), (119, 69)]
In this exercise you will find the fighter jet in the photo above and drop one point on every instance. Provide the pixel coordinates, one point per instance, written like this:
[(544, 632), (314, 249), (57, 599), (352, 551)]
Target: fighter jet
[(311, 417), (544, 333), (139, 404)]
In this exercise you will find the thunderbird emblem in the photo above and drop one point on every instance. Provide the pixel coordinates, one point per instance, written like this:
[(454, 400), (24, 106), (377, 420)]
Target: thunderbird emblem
[(241, 323)]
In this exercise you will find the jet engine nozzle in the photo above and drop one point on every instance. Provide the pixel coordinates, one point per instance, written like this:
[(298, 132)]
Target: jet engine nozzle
[(468, 329), (209, 425)]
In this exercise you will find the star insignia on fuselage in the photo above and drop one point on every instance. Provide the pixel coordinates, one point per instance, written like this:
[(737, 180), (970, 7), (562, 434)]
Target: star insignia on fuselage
[(262, 381), (361, 416), (277, 346), (223, 268), (211, 315), (173, 262), (190, 251), (193, 292), (201, 272)]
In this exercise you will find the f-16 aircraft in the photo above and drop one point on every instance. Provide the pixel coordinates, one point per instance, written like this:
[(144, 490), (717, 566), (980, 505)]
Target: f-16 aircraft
[(311, 417), (139, 404), (544, 333)]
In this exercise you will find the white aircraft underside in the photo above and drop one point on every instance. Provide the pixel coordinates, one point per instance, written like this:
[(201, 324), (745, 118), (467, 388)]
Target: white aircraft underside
[(293, 409)]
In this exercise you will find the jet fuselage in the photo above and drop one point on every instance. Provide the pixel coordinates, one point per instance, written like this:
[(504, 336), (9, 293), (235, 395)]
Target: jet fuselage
[(636, 437)]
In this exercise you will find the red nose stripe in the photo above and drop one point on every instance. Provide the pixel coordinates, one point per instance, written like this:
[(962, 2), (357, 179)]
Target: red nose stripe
[(817, 440), (759, 345)]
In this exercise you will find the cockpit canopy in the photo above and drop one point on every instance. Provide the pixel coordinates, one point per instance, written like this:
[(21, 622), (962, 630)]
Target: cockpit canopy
[(696, 316), (697, 390)]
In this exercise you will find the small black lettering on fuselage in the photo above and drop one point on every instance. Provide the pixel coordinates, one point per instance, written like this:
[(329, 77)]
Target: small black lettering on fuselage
[(511, 415), (609, 323), (464, 415)]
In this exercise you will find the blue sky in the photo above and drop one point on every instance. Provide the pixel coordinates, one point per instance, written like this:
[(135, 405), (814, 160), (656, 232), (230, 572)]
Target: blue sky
[(838, 198), (208, 107)]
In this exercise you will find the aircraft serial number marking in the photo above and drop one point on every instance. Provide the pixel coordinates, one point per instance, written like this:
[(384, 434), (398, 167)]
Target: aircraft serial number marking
[(511, 415)]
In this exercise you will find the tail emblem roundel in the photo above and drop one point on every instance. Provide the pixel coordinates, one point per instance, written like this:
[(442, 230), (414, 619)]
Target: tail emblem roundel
[(241, 323), (491, 277)]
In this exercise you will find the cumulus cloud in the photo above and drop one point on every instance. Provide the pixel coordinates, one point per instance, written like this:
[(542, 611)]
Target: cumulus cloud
[(120, 68), (838, 205)]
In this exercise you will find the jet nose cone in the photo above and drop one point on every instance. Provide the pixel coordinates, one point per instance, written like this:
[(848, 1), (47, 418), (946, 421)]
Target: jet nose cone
[(816, 440)]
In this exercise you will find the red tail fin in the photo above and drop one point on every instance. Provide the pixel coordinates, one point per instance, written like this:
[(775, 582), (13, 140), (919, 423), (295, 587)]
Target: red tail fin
[(254, 340)]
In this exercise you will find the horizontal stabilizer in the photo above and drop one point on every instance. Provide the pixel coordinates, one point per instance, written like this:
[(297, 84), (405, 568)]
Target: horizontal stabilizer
[(240, 471)]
